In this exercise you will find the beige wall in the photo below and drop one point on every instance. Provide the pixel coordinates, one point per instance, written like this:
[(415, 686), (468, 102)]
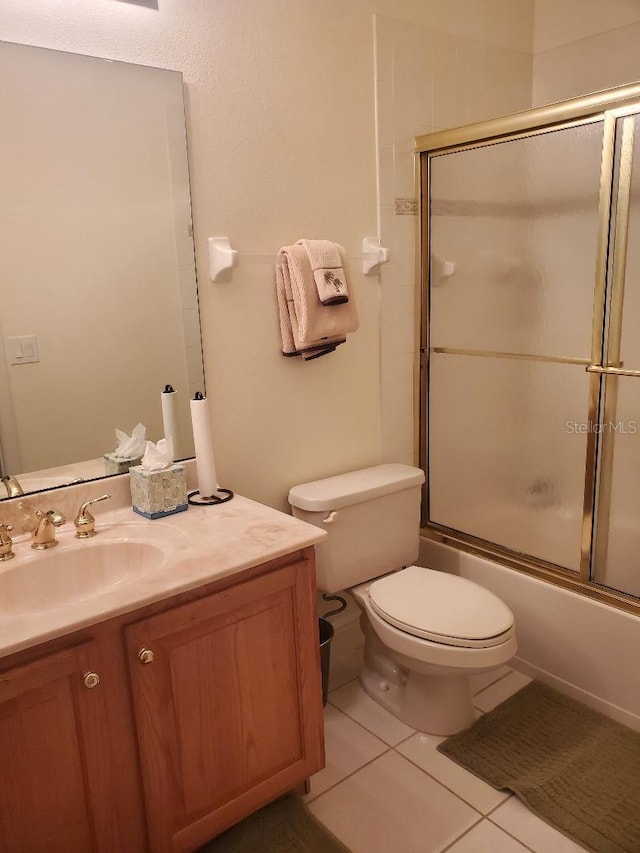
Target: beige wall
[(428, 79), (584, 46), (281, 121)]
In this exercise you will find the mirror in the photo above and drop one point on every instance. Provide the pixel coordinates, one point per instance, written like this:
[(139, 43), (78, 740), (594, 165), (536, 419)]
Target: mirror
[(98, 297)]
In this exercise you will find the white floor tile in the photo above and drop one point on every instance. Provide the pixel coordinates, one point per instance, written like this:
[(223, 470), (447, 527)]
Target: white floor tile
[(391, 805), (487, 838), (347, 747), (479, 682), (531, 830), (354, 701), (487, 699), (421, 749)]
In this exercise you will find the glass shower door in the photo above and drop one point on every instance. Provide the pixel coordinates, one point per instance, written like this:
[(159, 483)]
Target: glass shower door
[(514, 237), (616, 553)]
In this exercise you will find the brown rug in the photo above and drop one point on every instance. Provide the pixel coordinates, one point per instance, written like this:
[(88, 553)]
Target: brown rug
[(573, 767), (285, 826)]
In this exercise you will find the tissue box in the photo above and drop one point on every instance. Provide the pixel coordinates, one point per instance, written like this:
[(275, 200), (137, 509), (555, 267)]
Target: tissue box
[(155, 494), (117, 464)]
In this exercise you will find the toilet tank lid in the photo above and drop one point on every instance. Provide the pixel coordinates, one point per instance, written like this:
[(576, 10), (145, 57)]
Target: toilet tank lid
[(355, 487)]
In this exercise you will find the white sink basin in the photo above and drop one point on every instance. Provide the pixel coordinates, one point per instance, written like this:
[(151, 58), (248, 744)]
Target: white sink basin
[(69, 574)]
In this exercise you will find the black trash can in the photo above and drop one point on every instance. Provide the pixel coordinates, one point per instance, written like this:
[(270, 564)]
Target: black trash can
[(326, 635)]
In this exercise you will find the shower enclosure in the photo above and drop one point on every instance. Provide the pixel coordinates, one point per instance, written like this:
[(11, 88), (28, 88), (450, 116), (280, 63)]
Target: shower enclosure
[(530, 351)]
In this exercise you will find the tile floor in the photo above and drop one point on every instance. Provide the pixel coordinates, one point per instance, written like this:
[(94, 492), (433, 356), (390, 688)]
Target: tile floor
[(386, 787)]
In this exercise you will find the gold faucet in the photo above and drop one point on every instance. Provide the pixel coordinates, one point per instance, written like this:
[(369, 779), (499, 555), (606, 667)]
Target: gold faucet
[(13, 487), (44, 536), (85, 523), (6, 545)]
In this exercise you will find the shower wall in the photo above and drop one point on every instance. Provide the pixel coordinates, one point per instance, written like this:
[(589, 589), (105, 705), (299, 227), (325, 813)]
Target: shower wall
[(583, 46), (429, 78)]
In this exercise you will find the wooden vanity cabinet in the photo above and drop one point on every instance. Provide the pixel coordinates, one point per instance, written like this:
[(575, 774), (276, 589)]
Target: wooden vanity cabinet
[(226, 706), (53, 755), (207, 707)]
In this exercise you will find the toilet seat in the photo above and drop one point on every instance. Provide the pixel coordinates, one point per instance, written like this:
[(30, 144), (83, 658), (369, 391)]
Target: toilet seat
[(441, 608)]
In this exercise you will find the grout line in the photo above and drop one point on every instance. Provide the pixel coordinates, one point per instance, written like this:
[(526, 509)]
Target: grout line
[(459, 837), (511, 835), (371, 732), (536, 54), (340, 684), (491, 683), (495, 808), (446, 787), (348, 776), (405, 739)]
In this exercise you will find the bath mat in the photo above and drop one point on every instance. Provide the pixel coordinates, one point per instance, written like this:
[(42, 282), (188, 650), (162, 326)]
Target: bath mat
[(281, 827), (573, 767)]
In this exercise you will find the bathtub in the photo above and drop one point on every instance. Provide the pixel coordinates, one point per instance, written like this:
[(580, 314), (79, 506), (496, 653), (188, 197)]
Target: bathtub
[(586, 649)]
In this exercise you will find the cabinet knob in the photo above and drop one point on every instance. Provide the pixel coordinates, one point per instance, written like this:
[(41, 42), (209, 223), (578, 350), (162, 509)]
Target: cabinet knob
[(91, 679), (145, 656)]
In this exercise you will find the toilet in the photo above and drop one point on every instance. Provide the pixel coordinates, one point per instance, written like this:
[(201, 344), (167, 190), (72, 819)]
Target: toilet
[(425, 631)]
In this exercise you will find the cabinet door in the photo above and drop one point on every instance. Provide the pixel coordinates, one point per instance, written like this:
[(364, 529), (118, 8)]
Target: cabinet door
[(228, 706), (51, 782)]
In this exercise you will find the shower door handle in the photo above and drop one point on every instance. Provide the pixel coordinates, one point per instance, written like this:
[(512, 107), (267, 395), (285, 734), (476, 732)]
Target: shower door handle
[(611, 371)]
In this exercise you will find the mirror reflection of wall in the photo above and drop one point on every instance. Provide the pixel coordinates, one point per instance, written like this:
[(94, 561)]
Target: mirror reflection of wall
[(96, 255)]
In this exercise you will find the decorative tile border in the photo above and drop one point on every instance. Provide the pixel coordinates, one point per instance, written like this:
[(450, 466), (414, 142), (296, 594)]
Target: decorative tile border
[(406, 207)]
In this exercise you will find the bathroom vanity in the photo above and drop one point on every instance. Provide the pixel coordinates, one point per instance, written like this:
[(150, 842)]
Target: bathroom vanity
[(150, 712)]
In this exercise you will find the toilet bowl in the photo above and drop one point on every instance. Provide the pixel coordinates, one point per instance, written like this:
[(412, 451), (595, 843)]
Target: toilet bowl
[(425, 631), (417, 658)]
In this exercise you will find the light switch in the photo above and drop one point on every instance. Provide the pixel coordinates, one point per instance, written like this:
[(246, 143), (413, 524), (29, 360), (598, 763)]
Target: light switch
[(23, 349)]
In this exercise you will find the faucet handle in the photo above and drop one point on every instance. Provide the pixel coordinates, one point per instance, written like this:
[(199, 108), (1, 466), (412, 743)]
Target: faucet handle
[(57, 518), (6, 543), (85, 523)]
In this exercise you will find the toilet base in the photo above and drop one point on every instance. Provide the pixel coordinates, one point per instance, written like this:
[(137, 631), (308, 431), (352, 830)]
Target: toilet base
[(437, 704)]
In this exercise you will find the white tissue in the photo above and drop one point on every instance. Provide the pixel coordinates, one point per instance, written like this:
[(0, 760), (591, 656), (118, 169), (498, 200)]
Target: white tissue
[(158, 456), (133, 446)]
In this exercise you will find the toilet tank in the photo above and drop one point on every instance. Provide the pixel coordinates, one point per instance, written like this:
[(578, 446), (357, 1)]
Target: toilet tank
[(372, 517)]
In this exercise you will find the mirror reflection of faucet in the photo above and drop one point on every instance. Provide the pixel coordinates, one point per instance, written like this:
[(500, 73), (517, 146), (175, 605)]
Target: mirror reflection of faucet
[(13, 487)]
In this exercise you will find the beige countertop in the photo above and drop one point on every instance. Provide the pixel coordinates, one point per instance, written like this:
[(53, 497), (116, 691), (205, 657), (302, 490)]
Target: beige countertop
[(195, 547)]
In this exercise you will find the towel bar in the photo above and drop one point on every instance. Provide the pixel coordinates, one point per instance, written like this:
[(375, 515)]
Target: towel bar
[(221, 257), (373, 255)]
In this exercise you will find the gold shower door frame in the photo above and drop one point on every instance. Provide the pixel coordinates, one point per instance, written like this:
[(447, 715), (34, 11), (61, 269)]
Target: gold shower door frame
[(615, 108)]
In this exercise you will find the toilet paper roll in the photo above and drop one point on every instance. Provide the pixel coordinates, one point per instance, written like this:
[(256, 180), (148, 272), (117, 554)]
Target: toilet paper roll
[(168, 401), (203, 443)]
